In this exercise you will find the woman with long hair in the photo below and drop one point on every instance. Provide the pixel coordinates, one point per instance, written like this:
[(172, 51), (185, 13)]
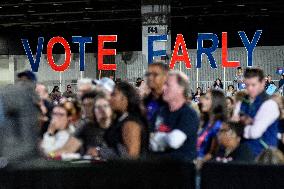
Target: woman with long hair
[(213, 108), (197, 95), (218, 84), (127, 136)]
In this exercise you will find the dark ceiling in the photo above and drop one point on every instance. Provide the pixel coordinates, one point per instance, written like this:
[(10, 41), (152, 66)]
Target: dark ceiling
[(34, 18), (216, 16)]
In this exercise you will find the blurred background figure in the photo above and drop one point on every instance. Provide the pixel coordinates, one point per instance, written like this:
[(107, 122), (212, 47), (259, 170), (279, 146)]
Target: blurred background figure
[(218, 84), (231, 149), (280, 102), (143, 89), (19, 132), (197, 95), (270, 156), (87, 101), (69, 93), (139, 80), (84, 85), (281, 81), (27, 76), (239, 79), (105, 85), (214, 112), (230, 91), (46, 107), (261, 128), (269, 81), (55, 95), (230, 106), (156, 77), (74, 109)]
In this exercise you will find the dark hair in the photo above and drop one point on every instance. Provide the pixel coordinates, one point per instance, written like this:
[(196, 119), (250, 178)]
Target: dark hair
[(91, 94), (197, 91), (215, 83), (254, 72), (118, 80), (99, 95), (239, 68), (237, 127), (162, 66), (231, 86), (55, 89), (218, 108), (138, 82), (134, 103)]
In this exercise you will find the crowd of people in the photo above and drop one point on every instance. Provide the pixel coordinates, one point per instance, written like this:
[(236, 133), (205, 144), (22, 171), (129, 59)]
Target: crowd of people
[(238, 85), (156, 118)]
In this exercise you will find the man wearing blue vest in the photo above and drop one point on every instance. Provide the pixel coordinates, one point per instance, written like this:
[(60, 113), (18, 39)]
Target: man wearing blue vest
[(258, 112)]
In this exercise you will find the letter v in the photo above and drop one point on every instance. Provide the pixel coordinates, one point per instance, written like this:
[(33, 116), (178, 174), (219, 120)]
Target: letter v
[(34, 63)]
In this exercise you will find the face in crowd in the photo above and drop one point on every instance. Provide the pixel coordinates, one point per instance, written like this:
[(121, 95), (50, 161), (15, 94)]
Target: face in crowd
[(172, 90), (88, 107), (240, 71), (269, 78), (230, 88), (254, 86), (206, 102), (118, 101), (214, 103), (60, 119), (102, 110), (198, 91), (42, 91), (69, 88), (228, 137), (156, 77), (229, 103)]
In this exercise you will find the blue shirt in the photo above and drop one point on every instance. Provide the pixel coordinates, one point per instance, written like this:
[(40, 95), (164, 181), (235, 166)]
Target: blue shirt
[(205, 137)]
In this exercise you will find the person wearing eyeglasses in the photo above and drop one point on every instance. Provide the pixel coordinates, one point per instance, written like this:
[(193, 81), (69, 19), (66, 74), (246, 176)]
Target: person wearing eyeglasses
[(231, 148), (57, 133), (89, 136), (68, 93), (156, 77)]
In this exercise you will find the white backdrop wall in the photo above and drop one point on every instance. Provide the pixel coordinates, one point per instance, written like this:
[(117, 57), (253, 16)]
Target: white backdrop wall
[(267, 58)]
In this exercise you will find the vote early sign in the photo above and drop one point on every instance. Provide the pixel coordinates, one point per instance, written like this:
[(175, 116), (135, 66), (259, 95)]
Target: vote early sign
[(175, 58)]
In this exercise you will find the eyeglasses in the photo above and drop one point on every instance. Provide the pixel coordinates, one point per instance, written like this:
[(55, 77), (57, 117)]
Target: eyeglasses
[(149, 74), (105, 106)]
